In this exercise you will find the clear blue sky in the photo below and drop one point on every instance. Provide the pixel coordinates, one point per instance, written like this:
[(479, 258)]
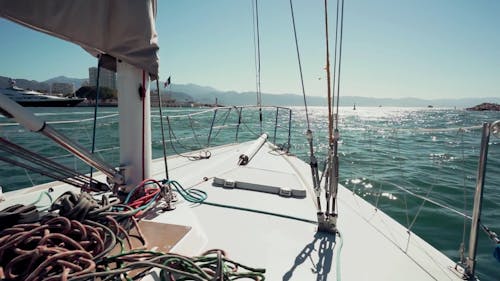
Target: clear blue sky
[(392, 48)]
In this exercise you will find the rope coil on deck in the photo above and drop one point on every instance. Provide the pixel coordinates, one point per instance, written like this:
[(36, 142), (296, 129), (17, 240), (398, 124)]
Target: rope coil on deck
[(68, 246), (75, 239)]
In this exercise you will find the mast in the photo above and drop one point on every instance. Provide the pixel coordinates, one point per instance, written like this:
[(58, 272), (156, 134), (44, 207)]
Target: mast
[(135, 123)]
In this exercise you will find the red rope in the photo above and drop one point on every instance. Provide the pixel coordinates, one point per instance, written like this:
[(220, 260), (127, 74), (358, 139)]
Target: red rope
[(141, 201), (146, 194)]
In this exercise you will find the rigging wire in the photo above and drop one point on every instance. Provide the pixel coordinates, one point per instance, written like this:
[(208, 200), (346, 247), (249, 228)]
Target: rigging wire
[(47, 167), (162, 129), (329, 166), (256, 42), (313, 162), (340, 62), (257, 59), (328, 76), (300, 66), (335, 58), (331, 187), (255, 49), (43, 172)]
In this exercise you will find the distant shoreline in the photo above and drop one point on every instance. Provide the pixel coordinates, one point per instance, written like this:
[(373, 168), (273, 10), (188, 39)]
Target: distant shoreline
[(115, 104), (485, 106)]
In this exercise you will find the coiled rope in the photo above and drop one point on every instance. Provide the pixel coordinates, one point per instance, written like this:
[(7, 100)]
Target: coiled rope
[(75, 239), (55, 250)]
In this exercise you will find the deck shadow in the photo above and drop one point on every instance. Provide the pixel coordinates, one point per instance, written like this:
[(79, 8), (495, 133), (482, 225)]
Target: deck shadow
[(320, 248)]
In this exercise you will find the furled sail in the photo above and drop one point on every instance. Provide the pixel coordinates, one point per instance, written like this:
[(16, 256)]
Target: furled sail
[(124, 29)]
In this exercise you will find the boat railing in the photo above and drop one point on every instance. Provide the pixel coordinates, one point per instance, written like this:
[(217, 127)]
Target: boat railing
[(187, 130), (276, 122), (395, 168), (425, 172)]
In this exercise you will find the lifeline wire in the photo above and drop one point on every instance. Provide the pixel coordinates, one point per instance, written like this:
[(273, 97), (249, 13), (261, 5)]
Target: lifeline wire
[(190, 157), (207, 153), (195, 135)]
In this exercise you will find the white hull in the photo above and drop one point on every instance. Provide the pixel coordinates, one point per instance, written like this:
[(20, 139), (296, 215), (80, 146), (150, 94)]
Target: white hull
[(374, 246), (34, 99)]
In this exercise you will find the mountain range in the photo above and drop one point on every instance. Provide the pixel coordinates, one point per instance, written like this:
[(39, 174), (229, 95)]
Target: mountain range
[(63, 79), (208, 95), (43, 86)]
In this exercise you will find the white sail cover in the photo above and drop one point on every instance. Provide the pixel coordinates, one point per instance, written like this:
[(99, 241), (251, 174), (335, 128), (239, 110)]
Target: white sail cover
[(124, 29)]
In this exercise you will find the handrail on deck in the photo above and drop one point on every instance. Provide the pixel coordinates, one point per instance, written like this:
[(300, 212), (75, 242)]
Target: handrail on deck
[(278, 112)]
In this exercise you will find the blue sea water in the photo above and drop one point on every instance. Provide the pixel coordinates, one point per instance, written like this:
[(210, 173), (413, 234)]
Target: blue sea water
[(430, 152)]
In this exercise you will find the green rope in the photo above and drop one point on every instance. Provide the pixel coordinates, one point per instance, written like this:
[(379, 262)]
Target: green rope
[(259, 212), (197, 196), (192, 195), (183, 268)]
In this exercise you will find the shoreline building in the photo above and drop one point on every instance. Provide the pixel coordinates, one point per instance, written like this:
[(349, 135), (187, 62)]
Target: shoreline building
[(107, 78), (62, 88)]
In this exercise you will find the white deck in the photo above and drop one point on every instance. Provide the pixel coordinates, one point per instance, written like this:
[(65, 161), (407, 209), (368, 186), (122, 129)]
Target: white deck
[(375, 247)]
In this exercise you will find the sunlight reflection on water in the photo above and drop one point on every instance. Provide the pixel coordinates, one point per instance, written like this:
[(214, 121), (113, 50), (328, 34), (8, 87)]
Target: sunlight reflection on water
[(380, 148)]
